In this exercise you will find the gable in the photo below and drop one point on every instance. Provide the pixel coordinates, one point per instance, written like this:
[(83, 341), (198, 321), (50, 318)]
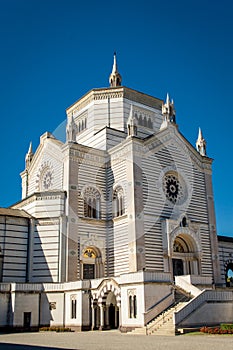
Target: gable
[(45, 173)]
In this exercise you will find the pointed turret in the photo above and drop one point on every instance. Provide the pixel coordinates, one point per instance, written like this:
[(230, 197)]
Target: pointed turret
[(132, 123), (29, 156), (71, 130), (168, 111), (201, 144), (115, 77)]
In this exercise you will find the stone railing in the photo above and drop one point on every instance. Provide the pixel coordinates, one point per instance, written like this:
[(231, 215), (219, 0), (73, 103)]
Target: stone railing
[(44, 287), (184, 282), (145, 276), (203, 297), (159, 307), (196, 279), (26, 287), (5, 287)]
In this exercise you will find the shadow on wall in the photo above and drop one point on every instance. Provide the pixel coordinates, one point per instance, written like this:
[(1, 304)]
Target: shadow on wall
[(10, 346)]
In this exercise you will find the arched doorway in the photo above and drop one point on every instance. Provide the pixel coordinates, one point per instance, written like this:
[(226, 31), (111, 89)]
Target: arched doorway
[(91, 263), (112, 312), (106, 306), (185, 257), (229, 274)]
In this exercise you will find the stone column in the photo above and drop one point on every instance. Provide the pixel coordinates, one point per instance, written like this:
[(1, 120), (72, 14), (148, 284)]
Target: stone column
[(119, 308), (116, 309), (107, 316), (101, 327), (93, 309)]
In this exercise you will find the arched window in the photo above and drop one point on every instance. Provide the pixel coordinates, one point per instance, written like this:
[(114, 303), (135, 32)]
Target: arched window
[(132, 300), (183, 222), (145, 122), (150, 125), (91, 199), (140, 120), (118, 202), (73, 305)]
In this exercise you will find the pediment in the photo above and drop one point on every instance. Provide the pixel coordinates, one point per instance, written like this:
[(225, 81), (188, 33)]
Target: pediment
[(172, 140)]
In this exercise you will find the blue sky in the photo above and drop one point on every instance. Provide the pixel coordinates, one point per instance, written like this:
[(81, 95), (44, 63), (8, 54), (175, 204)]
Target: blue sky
[(54, 51)]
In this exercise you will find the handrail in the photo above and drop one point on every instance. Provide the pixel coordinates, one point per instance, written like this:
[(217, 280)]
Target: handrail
[(205, 295), (166, 313), (157, 308)]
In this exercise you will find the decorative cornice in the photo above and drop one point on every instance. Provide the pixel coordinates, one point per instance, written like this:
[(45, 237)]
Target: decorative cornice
[(39, 196), (111, 93)]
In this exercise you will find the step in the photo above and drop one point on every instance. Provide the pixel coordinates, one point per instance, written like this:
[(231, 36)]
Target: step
[(163, 324), (141, 330)]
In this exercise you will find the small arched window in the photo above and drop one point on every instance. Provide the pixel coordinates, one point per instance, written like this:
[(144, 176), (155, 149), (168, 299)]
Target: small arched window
[(73, 306), (145, 122), (140, 120), (132, 302), (183, 222), (150, 125), (118, 202), (91, 198)]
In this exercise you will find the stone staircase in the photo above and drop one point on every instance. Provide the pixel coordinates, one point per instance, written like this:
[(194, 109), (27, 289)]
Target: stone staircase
[(163, 323)]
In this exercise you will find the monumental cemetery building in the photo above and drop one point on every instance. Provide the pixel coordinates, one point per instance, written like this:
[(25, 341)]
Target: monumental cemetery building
[(116, 225)]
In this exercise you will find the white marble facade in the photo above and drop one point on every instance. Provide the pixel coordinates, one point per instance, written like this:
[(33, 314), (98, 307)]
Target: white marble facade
[(110, 218)]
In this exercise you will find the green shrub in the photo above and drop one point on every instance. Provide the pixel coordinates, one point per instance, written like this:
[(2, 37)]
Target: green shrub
[(226, 326)]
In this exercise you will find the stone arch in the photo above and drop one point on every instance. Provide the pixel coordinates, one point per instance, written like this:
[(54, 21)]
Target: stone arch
[(228, 272), (106, 301), (185, 252), (188, 235), (104, 288)]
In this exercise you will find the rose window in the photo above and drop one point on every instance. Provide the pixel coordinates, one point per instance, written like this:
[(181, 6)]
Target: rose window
[(172, 188), (47, 180)]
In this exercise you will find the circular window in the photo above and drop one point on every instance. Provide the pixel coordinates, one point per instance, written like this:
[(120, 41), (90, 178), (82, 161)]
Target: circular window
[(47, 180), (173, 188)]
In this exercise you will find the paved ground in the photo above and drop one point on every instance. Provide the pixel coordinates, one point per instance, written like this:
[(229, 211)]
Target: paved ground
[(112, 340)]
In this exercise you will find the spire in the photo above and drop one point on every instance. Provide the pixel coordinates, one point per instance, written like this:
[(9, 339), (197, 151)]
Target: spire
[(168, 111), (29, 156), (71, 130), (115, 77), (167, 100), (132, 123), (201, 144)]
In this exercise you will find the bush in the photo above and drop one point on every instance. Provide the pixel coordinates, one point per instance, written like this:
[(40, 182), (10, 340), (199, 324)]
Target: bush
[(217, 330), (226, 326), (55, 329)]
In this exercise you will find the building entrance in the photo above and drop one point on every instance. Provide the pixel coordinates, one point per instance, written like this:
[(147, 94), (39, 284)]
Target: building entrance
[(178, 268), (105, 315)]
